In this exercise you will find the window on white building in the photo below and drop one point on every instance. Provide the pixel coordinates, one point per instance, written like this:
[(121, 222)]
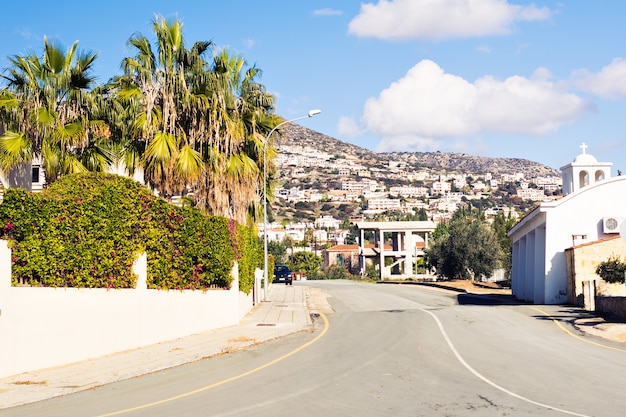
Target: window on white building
[(35, 173), (584, 178), (599, 175)]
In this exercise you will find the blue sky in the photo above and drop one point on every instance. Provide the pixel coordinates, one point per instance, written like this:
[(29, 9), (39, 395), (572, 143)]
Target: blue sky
[(499, 78)]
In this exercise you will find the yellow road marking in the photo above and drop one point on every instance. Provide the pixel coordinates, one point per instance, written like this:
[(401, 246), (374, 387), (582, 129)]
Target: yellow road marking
[(575, 335), (225, 381)]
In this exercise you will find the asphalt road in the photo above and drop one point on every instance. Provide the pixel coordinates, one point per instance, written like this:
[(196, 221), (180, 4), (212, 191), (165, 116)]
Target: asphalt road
[(387, 350)]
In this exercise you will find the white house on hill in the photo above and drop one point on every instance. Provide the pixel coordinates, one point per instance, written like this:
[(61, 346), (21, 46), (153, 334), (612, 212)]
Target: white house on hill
[(593, 209)]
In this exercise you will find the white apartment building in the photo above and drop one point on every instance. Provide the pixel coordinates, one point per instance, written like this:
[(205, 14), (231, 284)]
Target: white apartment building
[(338, 195), (409, 206), (338, 237), (293, 194), (444, 205), (275, 232), (409, 191), (453, 197), (417, 176), (327, 222), (534, 194), (479, 186), (383, 204), (550, 187), (507, 211), (374, 194), (365, 185), (299, 226), (548, 183), (320, 235), (441, 187), (519, 176), (315, 196)]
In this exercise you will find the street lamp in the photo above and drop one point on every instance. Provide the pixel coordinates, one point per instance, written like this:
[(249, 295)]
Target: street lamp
[(265, 272)]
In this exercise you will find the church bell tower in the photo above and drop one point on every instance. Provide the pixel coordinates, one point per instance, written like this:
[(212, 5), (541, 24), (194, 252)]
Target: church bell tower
[(583, 171)]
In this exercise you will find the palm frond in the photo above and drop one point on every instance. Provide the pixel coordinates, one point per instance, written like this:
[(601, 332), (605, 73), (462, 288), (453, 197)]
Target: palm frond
[(15, 148), (161, 149), (189, 163)]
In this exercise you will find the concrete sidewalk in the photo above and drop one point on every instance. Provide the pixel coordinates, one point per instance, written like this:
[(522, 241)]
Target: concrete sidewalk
[(287, 311)]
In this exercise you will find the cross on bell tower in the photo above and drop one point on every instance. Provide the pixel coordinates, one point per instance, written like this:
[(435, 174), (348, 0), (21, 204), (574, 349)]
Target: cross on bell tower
[(584, 170)]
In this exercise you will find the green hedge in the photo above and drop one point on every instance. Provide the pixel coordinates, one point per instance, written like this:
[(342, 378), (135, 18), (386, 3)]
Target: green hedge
[(86, 230)]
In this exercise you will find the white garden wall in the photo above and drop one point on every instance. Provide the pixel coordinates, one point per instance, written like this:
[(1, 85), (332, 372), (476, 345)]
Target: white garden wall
[(47, 327)]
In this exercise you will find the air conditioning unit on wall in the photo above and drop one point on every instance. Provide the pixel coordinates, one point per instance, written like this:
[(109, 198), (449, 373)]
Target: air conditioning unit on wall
[(611, 224)]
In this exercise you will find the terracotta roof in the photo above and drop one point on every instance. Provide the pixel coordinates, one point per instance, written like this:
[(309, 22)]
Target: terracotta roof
[(353, 247), (343, 248), (596, 241)]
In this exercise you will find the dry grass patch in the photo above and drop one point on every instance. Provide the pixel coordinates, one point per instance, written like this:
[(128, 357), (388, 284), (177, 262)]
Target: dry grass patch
[(30, 382), (242, 339)]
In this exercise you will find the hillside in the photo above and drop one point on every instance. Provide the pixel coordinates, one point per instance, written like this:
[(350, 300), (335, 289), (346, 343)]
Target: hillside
[(296, 135), (318, 174), (470, 163)]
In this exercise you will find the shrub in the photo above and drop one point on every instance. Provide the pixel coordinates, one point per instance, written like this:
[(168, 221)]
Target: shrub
[(337, 272), (305, 261), (80, 232), (249, 254), (86, 230), (612, 270)]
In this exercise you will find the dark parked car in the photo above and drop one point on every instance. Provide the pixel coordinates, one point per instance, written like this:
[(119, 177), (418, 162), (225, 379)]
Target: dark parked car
[(282, 274)]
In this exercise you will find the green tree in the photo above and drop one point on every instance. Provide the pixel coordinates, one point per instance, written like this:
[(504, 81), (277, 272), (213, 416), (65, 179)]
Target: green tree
[(501, 225), (353, 234), (305, 261), (50, 114), (422, 215), (464, 249), (278, 249)]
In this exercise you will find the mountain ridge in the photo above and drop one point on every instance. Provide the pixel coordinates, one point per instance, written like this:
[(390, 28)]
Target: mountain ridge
[(296, 135)]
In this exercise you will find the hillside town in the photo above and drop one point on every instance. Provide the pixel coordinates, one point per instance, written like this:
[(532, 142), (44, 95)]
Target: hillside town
[(319, 193)]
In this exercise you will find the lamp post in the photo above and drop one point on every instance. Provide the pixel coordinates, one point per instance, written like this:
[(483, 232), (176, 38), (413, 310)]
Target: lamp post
[(265, 272)]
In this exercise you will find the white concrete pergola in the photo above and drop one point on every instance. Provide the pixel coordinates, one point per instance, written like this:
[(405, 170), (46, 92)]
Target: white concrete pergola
[(403, 237)]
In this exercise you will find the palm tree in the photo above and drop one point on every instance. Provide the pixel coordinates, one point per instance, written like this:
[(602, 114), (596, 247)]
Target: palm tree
[(192, 125), (158, 117), (241, 116), (49, 113)]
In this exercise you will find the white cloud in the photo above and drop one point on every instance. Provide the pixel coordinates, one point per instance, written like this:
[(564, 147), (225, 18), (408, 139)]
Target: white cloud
[(608, 83), (347, 126), (428, 104), (327, 12), (441, 19), (249, 43), (25, 33)]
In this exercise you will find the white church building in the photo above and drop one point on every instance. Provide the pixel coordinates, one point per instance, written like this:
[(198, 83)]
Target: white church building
[(592, 208)]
